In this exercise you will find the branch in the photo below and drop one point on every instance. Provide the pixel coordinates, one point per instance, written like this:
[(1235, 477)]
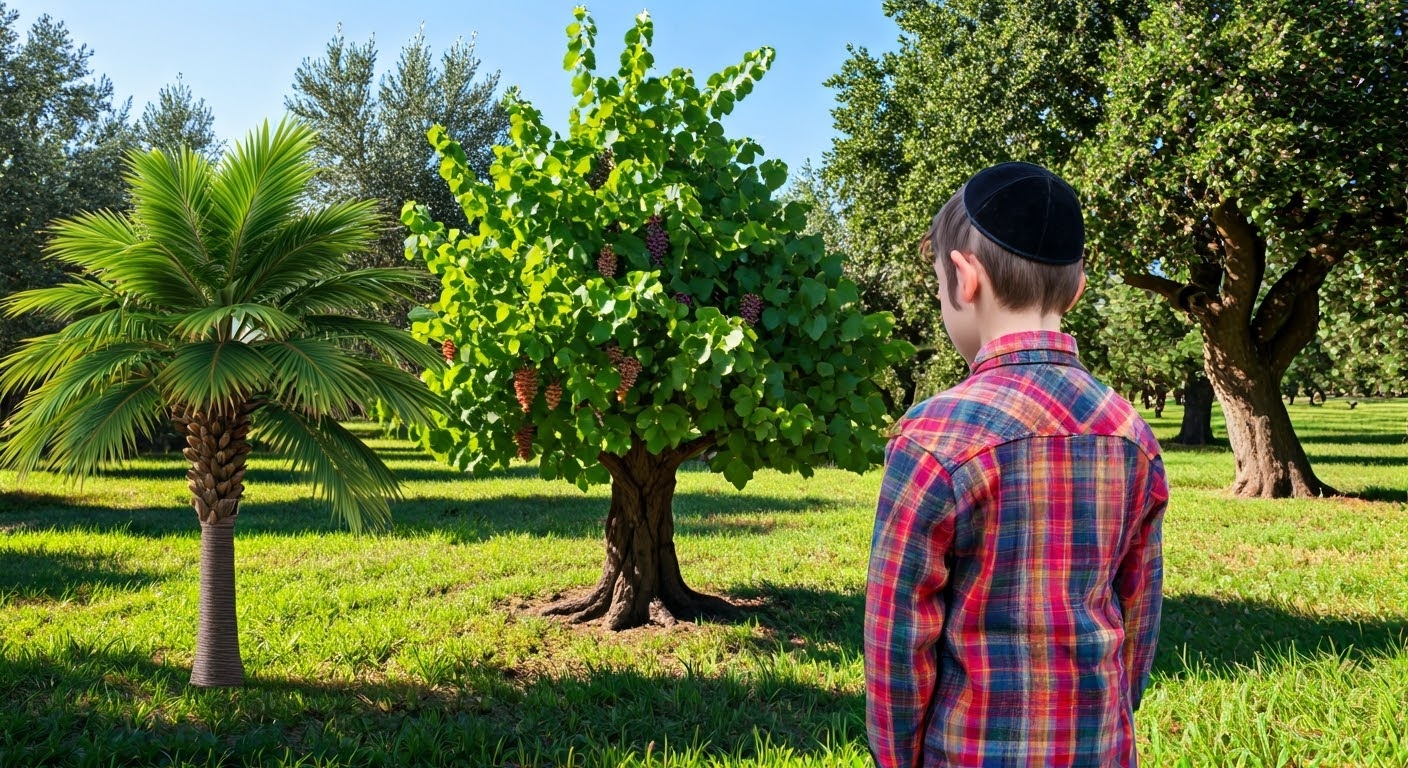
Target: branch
[(694, 447), (1169, 289), (1244, 259), (1298, 330), (1185, 297), (1283, 300)]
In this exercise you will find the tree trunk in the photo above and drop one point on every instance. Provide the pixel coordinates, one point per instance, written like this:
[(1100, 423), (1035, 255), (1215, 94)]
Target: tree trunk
[(217, 442), (1270, 460), (218, 660), (640, 580), (1197, 412)]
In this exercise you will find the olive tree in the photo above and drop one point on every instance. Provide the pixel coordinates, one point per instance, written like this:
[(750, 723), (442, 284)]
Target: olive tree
[(631, 296), (1248, 150)]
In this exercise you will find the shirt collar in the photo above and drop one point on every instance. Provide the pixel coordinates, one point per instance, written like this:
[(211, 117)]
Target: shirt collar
[(1027, 347)]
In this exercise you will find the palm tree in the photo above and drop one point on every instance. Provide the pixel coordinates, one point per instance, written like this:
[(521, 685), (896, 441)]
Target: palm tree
[(221, 302)]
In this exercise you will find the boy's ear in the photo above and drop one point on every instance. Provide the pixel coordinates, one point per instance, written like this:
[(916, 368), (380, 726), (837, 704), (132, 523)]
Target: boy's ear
[(1079, 292), (969, 273)]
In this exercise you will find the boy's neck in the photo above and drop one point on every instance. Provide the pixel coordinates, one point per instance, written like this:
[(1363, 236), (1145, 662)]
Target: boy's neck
[(1002, 322)]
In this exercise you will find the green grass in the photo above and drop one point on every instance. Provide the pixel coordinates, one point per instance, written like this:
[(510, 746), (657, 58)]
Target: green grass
[(1285, 635)]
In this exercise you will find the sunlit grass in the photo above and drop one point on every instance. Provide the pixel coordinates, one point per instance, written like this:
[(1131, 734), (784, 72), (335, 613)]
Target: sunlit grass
[(1285, 639)]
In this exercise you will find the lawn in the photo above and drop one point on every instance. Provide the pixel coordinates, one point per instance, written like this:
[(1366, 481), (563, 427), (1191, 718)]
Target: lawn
[(1285, 636)]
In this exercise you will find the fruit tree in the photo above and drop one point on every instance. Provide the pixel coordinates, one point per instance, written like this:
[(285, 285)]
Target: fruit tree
[(631, 296)]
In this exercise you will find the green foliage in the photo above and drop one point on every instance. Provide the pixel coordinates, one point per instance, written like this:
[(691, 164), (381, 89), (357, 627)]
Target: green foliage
[(371, 134), (1146, 344), (61, 147), (522, 286), (1364, 325), (972, 84), (1291, 110), (178, 119), (219, 289)]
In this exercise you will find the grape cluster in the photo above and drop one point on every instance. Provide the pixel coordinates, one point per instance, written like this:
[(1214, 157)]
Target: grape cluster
[(525, 386), (630, 369), (606, 261), (656, 241), (605, 162), (524, 437), (448, 350), (684, 299), (553, 394), (751, 308)]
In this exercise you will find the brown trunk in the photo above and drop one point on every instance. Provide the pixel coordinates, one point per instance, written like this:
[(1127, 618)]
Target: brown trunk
[(640, 580), (216, 445), (1270, 460), (1197, 412)]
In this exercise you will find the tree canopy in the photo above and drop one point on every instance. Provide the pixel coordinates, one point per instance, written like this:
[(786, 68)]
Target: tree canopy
[(633, 294), (61, 146)]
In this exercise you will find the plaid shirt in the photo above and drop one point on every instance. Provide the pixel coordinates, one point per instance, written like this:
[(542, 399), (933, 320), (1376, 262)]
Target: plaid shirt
[(1016, 572)]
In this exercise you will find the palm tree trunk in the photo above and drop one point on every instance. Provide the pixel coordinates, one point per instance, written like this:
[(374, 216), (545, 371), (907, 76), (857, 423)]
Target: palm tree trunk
[(217, 442)]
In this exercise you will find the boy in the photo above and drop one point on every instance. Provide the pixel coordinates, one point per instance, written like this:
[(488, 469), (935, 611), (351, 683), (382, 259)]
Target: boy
[(1015, 576)]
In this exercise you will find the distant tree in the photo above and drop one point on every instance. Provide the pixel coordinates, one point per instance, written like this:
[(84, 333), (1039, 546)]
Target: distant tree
[(178, 119), (218, 303), (630, 296), (1364, 326), (371, 135), (1250, 150), (1150, 351), (61, 149)]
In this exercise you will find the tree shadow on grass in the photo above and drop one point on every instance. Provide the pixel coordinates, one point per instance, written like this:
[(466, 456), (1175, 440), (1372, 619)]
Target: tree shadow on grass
[(1367, 461), (1380, 493), (86, 701), (462, 521), (43, 574), (1203, 634)]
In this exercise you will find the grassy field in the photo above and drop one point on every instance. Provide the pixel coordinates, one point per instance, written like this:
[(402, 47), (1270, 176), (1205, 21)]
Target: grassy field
[(1285, 637)]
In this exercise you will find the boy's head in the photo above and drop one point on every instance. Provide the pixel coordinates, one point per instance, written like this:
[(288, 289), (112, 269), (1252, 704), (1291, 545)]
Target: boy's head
[(1007, 247)]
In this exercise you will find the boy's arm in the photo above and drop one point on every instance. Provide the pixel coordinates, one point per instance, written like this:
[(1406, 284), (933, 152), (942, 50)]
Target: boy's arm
[(1139, 585), (904, 606)]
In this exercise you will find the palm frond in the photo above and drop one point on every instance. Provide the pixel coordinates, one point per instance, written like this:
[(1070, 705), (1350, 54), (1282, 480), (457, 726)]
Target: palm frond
[(343, 471), (92, 241), (393, 343), (109, 247), (258, 187), (406, 395), (37, 360), (102, 428), (64, 301), (316, 376), (172, 201), (311, 247), (355, 290), (48, 364), (214, 373), (248, 322)]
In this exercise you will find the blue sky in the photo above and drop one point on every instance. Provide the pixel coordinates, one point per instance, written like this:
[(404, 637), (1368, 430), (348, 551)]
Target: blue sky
[(240, 57)]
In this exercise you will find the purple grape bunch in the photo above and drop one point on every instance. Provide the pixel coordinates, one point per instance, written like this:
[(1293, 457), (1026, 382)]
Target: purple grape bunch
[(656, 241), (606, 261), (751, 308), (684, 299)]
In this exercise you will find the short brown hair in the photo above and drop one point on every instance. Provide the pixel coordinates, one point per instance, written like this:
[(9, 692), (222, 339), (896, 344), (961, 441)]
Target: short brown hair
[(1017, 283)]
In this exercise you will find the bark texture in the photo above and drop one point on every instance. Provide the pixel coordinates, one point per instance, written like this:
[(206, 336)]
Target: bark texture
[(1250, 338), (640, 580), (217, 442)]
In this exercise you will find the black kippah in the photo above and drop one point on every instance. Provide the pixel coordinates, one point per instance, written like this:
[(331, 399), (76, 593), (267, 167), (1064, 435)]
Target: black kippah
[(1028, 210)]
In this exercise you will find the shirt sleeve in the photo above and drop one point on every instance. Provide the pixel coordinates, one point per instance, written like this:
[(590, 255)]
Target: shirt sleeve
[(904, 601), (1139, 585)]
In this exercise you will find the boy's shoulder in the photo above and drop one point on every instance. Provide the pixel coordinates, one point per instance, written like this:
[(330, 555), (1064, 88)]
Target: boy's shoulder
[(1003, 405)]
